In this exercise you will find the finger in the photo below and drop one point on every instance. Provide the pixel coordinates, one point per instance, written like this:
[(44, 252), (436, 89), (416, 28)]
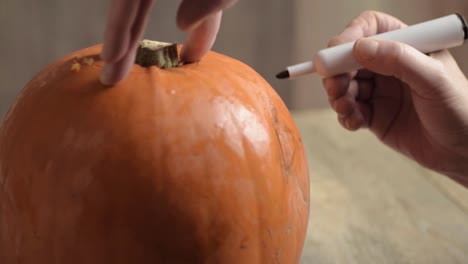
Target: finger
[(201, 39), (345, 105), (342, 121), (353, 89), (367, 113), (366, 90), (369, 23), (355, 121), (425, 75), (141, 21), (117, 36), (352, 122), (191, 13), (114, 72), (336, 86)]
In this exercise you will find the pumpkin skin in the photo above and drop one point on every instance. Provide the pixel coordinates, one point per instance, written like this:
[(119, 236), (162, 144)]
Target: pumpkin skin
[(196, 164)]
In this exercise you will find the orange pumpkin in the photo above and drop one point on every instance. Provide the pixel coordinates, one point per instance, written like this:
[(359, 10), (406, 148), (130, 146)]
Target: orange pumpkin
[(200, 163)]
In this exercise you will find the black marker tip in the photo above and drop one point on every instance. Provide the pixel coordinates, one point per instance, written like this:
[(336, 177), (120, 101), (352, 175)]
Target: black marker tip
[(283, 75)]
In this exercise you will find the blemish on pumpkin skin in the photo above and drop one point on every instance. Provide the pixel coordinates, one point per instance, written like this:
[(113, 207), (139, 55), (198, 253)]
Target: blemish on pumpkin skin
[(88, 61), (72, 139), (299, 190), (281, 133), (78, 58), (243, 244), (278, 253), (75, 67), (79, 61)]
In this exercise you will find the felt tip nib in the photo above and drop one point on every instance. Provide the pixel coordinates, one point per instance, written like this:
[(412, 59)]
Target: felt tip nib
[(283, 75)]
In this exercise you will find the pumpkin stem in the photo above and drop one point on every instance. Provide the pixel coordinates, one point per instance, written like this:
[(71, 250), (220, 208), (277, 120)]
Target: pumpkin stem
[(154, 53)]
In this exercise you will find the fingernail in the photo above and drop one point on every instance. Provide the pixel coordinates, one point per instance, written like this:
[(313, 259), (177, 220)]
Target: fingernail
[(104, 53), (333, 105), (347, 124), (185, 56), (367, 48), (105, 78)]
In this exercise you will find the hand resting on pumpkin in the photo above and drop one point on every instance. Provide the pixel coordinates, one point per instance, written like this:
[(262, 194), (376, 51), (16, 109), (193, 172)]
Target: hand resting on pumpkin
[(127, 20), (415, 103)]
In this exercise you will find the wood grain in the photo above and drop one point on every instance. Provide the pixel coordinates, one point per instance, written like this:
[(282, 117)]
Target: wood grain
[(372, 205)]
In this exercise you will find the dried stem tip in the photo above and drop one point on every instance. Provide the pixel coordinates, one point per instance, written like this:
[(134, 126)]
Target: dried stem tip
[(160, 54)]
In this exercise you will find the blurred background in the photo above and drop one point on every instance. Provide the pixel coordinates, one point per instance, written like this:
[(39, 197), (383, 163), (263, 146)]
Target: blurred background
[(266, 34)]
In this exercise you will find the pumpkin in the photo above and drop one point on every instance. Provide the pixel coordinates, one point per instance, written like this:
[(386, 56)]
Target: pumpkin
[(200, 163)]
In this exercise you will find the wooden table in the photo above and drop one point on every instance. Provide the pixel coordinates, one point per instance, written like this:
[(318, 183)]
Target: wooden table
[(369, 204)]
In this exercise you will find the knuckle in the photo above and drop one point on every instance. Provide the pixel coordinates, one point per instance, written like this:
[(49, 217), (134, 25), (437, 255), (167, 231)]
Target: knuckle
[(366, 18), (343, 107), (333, 41), (399, 53), (369, 15)]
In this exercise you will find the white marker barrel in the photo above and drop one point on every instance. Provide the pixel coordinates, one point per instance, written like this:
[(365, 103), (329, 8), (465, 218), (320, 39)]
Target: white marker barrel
[(441, 33)]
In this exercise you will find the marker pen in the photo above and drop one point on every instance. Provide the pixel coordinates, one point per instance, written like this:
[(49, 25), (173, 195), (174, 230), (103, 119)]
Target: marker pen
[(430, 36)]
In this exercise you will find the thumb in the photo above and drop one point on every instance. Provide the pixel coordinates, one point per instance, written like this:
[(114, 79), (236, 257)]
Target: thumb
[(422, 73)]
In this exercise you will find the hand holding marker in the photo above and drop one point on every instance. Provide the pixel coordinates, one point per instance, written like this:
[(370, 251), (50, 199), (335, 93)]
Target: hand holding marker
[(403, 86)]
